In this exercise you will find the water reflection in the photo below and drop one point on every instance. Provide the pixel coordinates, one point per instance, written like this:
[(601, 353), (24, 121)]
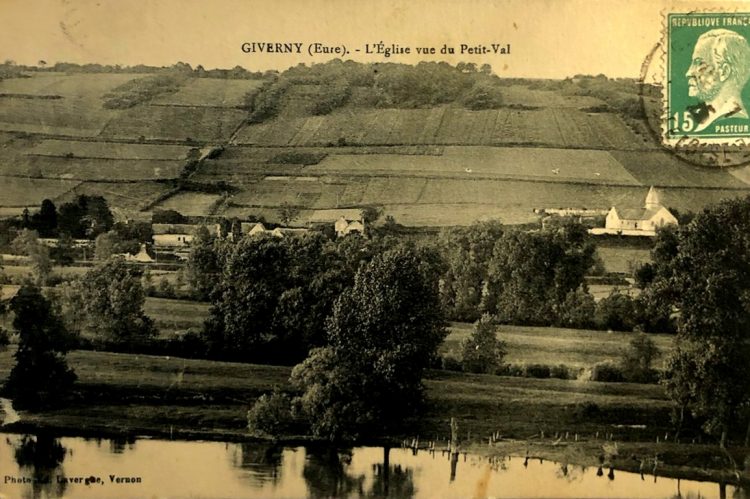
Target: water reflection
[(262, 462), (40, 459), (118, 445), (216, 469)]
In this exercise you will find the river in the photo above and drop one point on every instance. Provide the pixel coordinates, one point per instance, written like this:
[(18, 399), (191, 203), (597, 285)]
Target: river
[(48, 467)]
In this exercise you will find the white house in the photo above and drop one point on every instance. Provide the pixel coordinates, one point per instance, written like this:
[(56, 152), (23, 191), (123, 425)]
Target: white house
[(639, 221), (173, 235), (345, 227), (141, 257)]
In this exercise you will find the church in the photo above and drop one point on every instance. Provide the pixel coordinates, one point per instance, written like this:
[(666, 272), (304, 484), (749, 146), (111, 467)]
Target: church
[(638, 221)]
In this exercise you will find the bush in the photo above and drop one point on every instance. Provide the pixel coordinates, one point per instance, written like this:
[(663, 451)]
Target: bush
[(536, 371), (451, 363), (4, 339), (271, 415), (561, 371), (482, 352), (637, 359), (606, 371)]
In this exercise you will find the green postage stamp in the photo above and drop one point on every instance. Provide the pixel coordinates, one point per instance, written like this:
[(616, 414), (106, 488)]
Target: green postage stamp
[(707, 67)]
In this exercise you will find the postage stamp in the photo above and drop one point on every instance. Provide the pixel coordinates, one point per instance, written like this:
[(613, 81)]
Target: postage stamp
[(707, 67)]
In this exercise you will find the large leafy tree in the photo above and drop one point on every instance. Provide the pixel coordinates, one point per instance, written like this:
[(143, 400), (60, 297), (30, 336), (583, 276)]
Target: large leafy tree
[(383, 333), (204, 264), (531, 274), (467, 252), (113, 297), (41, 376), (273, 296), (709, 282)]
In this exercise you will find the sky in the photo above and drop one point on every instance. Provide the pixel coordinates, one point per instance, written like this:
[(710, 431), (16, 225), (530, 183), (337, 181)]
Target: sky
[(548, 38)]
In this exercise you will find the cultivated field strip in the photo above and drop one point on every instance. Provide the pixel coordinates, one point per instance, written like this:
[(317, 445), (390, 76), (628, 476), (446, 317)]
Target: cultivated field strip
[(204, 124), (108, 150), (66, 85), (211, 92), (593, 166), (18, 191), (553, 127), (93, 169), (190, 203), (131, 196)]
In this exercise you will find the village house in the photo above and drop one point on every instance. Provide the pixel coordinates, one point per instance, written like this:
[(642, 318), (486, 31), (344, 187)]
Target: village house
[(173, 235), (141, 257), (344, 227), (641, 221)]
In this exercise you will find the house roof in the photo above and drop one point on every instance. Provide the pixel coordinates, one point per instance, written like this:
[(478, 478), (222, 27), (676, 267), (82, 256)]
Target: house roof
[(635, 213), (160, 229)]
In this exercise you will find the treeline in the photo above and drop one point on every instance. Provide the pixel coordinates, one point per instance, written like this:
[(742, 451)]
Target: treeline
[(537, 278), (380, 85), (9, 69)]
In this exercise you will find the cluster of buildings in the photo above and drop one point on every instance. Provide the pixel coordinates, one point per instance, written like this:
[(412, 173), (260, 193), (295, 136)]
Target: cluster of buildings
[(623, 220)]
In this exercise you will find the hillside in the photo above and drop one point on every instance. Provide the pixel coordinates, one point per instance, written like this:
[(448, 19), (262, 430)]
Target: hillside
[(431, 144)]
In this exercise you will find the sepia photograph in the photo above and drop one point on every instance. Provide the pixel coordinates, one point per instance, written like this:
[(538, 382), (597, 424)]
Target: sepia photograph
[(330, 249)]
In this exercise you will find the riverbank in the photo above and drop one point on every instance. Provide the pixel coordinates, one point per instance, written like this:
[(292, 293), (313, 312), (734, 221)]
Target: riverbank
[(122, 395)]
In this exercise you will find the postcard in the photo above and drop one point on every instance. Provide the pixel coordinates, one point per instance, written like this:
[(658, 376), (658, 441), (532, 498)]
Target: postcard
[(426, 249)]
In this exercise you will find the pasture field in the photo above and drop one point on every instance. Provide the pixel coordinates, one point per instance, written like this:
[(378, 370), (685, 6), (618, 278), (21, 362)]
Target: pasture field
[(17, 191), (108, 150), (519, 95), (449, 126), (600, 291), (665, 170), (203, 124), (94, 169), (190, 203), (211, 92), (74, 117), (122, 195), (175, 315), (554, 346), (622, 260), (66, 85), (518, 163), (144, 394)]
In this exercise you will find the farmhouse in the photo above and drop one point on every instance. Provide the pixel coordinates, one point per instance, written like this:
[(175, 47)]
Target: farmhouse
[(639, 221), (345, 227), (173, 235), (259, 229)]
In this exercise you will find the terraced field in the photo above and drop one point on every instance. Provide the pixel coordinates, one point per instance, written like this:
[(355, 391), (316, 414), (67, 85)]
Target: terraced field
[(127, 196), (18, 192), (550, 127), (211, 92), (108, 150), (66, 85), (466, 162), (190, 203), (180, 124), (79, 113), (94, 169)]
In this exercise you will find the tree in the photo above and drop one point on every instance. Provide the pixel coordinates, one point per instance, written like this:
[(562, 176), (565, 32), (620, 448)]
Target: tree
[(45, 222), (41, 376), (105, 245), (203, 267), (616, 312), (638, 358), (482, 351), (168, 217), (85, 218), (27, 243), (288, 213), (113, 299), (709, 282), (383, 333), (63, 252)]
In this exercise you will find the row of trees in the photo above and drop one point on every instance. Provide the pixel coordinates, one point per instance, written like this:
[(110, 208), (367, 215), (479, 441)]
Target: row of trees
[(84, 218)]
